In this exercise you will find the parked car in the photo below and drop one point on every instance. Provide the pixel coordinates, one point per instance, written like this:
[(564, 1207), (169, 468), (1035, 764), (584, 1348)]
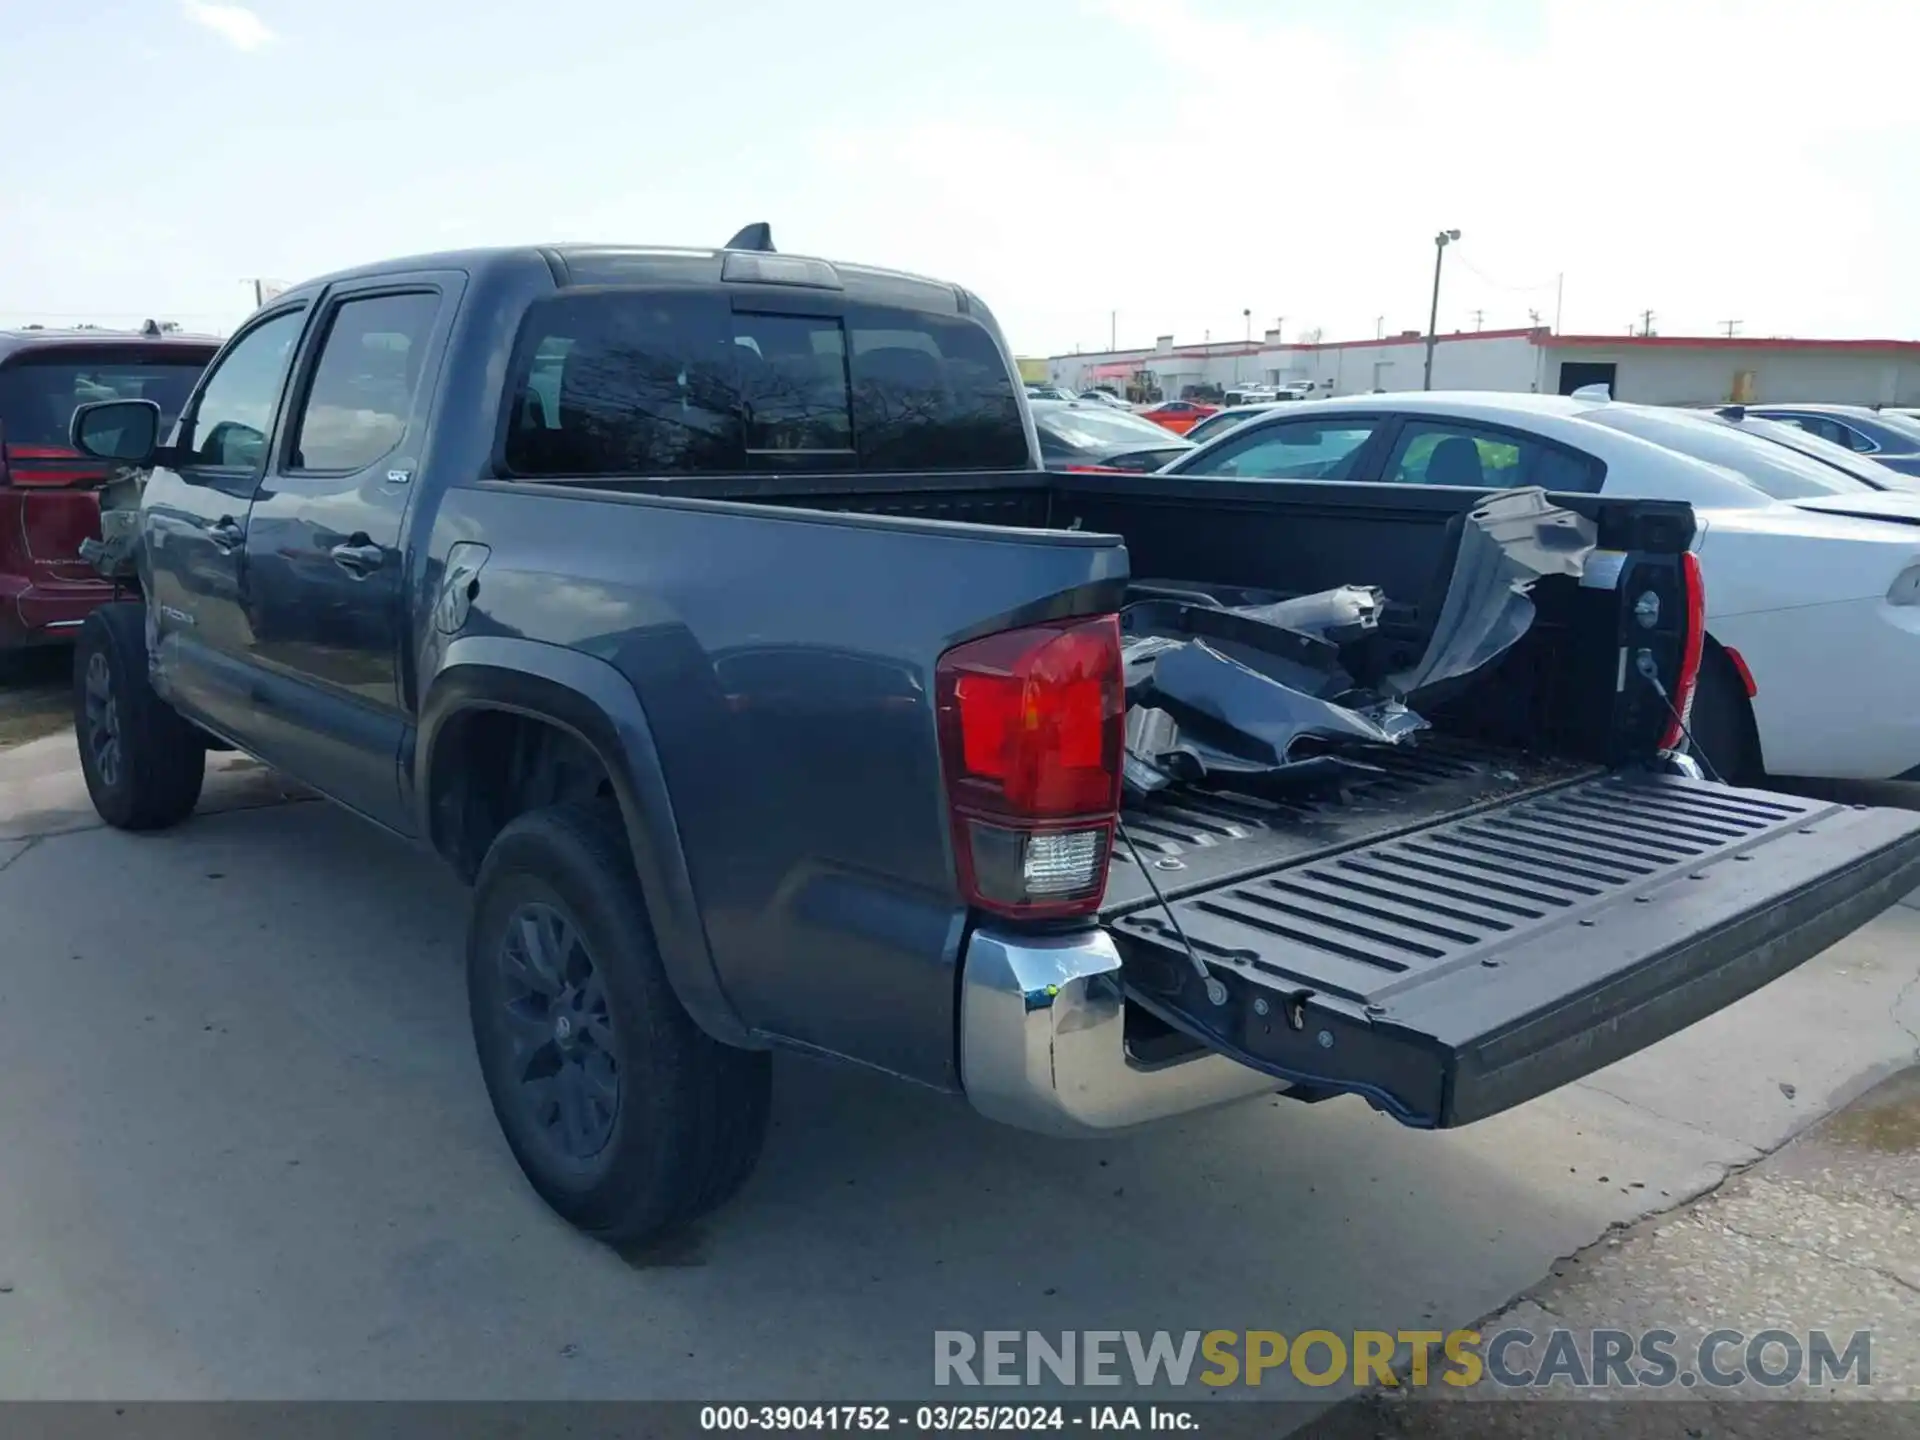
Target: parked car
[(48, 491), (1864, 468), (1221, 421), (1813, 577), (1105, 397), (1889, 437), (713, 618), (1049, 392), (1075, 435), (1180, 416)]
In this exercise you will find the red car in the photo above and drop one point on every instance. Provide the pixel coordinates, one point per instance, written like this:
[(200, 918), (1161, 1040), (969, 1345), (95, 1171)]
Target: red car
[(1179, 416), (48, 499)]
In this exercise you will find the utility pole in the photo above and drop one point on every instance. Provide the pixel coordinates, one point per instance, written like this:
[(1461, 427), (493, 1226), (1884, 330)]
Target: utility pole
[(1379, 327), (1533, 318), (1559, 293), (1279, 329), (1440, 243), (1113, 330), (1732, 327), (1646, 323), (1478, 317)]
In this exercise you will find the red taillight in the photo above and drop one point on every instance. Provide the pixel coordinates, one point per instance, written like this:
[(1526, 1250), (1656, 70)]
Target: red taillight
[(1689, 679), (1032, 723), (1096, 470), (49, 465)]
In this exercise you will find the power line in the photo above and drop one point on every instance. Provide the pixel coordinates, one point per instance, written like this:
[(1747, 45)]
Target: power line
[(1498, 285)]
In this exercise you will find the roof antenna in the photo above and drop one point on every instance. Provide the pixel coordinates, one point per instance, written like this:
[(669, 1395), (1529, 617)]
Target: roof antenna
[(757, 236)]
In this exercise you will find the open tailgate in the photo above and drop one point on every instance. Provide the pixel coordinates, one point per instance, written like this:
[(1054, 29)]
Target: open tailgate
[(1461, 967)]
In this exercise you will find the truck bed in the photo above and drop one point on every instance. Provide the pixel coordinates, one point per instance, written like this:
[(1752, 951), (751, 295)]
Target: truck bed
[(1194, 840)]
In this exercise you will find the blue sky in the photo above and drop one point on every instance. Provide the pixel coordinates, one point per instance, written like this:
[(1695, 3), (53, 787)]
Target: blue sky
[(1179, 161)]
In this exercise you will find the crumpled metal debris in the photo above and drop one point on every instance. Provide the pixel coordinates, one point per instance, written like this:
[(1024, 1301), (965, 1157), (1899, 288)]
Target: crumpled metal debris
[(1218, 691), (1510, 541), (114, 553), (1340, 615), (1228, 695)]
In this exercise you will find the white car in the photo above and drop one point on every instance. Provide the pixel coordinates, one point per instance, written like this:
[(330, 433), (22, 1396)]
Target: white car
[(1812, 575)]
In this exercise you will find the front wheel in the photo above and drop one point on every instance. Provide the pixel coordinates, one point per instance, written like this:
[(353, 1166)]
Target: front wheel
[(625, 1116), (143, 764)]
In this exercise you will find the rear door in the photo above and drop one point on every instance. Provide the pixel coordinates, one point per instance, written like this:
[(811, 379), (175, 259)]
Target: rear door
[(324, 562), (1457, 967)]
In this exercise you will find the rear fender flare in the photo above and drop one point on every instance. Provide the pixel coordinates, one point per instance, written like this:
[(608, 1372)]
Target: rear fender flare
[(591, 700)]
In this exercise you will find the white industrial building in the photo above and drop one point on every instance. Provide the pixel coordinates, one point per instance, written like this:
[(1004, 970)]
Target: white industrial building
[(1657, 369)]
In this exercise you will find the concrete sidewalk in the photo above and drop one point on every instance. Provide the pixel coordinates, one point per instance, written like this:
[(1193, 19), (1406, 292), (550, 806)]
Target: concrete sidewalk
[(248, 1154), (1822, 1235)]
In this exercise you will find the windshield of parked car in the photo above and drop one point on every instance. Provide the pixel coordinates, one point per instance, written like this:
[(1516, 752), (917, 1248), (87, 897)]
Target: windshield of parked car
[(1217, 425), (1770, 468), (1098, 428), (39, 393)]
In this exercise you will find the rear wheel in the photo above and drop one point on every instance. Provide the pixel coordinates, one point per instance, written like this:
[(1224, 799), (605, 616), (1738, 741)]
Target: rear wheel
[(143, 764), (1722, 722), (626, 1117)]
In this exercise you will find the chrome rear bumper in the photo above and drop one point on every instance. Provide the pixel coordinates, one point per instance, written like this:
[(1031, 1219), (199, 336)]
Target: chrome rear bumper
[(1043, 1045)]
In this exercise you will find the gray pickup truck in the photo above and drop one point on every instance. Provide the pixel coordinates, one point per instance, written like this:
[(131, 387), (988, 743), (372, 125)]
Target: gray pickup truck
[(709, 612)]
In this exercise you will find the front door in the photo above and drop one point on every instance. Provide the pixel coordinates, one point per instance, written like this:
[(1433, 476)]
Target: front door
[(325, 568), (196, 526)]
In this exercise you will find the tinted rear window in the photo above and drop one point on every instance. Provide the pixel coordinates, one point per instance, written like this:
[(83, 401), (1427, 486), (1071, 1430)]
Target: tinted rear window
[(631, 382), (39, 393)]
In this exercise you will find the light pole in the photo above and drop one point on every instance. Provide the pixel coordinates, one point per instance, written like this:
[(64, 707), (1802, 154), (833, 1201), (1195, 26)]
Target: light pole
[(1440, 243)]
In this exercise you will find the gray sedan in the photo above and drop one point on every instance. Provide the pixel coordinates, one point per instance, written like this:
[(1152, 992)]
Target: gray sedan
[(1889, 436)]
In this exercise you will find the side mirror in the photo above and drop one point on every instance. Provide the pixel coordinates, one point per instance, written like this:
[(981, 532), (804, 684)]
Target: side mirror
[(124, 430)]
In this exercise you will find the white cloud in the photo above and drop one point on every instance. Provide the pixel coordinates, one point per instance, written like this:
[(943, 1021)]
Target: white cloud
[(235, 24)]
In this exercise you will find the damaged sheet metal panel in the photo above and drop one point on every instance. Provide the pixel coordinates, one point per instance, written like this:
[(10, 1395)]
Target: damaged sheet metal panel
[(1340, 615), (113, 555), (1234, 706), (1160, 753), (1510, 541), (1227, 692)]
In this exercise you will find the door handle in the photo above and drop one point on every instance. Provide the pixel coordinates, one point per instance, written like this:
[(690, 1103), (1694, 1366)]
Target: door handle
[(358, 559), (226, 535)]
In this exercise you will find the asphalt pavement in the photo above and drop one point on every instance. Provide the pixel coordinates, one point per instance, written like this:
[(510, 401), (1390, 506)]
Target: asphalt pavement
[(245, 1153)]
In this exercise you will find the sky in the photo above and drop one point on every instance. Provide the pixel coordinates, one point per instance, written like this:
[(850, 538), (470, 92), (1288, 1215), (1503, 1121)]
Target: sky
[(1092, 168)]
